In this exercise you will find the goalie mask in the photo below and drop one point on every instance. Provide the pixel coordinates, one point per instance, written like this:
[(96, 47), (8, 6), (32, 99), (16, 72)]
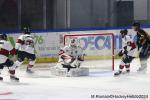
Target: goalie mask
[(74, 42)]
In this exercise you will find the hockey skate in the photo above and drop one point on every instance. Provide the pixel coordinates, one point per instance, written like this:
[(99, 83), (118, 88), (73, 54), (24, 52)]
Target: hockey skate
[(68, 74), (142, 69), (28, 70), (14, 78), (117, 73), (1, 78), (126, 72)]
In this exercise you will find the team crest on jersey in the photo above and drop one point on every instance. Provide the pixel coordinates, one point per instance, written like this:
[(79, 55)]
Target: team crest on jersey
[(29, 41)]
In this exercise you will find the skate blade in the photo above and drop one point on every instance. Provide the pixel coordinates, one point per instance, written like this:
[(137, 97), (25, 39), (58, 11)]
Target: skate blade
[(14, 81), (30, 72), (117, 75)]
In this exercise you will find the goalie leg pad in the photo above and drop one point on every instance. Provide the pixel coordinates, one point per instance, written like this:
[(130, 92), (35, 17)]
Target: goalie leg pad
[(58, 71), (76, 72), (68, 67)]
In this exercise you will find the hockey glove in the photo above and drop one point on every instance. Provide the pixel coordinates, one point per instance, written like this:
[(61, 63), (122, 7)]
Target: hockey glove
[(120, 54), (125, 50)]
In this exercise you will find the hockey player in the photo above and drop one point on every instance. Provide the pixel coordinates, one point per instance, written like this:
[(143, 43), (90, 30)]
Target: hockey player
[(143, 44), (6, 49), (71, 56), (25, 49), (127, 52), (70, 59)]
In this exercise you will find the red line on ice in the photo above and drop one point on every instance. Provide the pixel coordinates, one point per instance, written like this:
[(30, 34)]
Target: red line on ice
[(5, 93)]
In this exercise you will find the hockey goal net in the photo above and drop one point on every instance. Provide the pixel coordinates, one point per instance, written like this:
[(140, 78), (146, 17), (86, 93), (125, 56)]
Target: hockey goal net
[(98, 49)]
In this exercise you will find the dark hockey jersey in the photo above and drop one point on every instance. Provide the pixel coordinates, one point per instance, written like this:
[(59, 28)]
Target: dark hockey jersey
[(142, 38)]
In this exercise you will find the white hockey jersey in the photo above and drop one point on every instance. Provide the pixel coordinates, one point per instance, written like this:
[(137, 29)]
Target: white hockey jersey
[(71, 51), (130, 45), (25, 43), (5, 50)]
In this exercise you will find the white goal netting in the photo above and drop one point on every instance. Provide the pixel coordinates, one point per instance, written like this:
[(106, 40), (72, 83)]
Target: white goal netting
[(98, 48)]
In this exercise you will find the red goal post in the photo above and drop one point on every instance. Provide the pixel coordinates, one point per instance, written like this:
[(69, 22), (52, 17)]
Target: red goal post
[(70, 36)]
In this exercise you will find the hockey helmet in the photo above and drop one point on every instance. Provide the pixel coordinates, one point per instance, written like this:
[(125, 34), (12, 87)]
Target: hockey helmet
[(136, 24), (125, 31), (3, 36), (26, 30)]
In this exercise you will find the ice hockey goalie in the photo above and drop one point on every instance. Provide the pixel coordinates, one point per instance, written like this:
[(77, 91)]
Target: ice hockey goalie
[(70, 59)]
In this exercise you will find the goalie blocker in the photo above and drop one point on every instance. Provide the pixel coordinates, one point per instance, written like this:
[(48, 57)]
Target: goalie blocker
[(70, 59)]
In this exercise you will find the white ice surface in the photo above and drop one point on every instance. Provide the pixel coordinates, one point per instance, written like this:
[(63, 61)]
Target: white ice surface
[(43, 86)]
